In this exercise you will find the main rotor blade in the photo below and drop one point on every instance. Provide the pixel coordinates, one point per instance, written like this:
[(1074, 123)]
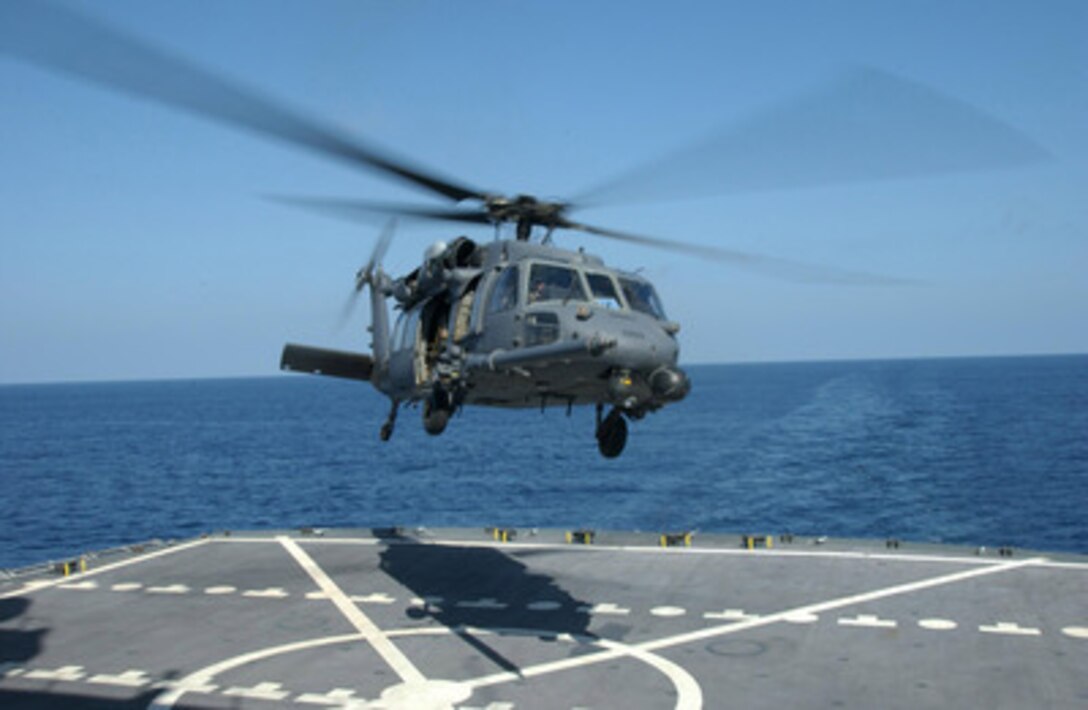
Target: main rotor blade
[(772, 266), (356, 209), (65, 41), (868, 125)]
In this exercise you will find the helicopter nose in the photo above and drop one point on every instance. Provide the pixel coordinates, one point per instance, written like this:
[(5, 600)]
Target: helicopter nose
[(643, 349), (670, 384)]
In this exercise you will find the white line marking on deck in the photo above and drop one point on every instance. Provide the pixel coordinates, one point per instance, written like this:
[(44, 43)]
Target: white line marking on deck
[(190, 684), (220, 590), (429, 694), (69, 673), (716, 631), (688, 693), (668, 611), (689, 696), (129, 679), (1077, 632), (884, 593), (1083, 566), (270, 593), (261, 691), (198, 681), (1010, 629), (381, 643), (657, 550), (308, 540), (336, 696), (800, 617), (170, 589), (126, 587), (937, 624), (38, 584), (868, 621), (89, 584), (730, 615), (376, 598), (605, 608)]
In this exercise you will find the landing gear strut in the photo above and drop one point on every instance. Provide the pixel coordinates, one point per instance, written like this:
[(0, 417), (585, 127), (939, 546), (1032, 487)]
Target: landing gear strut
[(390, 422), (436, 411), (611, 432)]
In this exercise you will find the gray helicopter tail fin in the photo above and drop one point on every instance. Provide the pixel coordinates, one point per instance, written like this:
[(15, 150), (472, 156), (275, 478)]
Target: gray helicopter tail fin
[(379, 320), (372, 275)]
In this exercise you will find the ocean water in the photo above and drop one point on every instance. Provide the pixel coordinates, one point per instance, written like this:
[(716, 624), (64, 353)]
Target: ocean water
[(986, 451)]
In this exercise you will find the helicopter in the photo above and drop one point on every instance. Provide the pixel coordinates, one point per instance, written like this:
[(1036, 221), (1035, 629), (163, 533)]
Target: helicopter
[(512, 323)]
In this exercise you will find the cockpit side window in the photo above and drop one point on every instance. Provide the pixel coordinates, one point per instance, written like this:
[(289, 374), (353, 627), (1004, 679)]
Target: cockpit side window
[(398, 332), (404, 335), (548, 282), (504, 294), (641, 297), (466, 308), (603, 290)]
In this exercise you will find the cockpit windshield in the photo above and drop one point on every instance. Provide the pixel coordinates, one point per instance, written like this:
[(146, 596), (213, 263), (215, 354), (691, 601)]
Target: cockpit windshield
[(642, 297), (603, 290), (548, 282)]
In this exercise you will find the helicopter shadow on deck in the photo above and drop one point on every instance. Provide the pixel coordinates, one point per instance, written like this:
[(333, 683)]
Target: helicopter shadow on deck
[(19, 644), (21, 641), (483, 587)]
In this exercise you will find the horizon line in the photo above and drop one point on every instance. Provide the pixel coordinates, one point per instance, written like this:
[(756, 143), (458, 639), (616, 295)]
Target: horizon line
[(725, 363)]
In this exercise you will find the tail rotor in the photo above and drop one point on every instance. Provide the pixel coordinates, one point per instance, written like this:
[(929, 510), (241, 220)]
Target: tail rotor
[(370, 274)]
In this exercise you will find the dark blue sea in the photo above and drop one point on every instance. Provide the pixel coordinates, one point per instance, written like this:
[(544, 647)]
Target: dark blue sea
[(989, 451)]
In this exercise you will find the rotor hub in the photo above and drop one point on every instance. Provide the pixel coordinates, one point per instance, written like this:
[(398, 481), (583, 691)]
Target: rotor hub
[(526, 212)]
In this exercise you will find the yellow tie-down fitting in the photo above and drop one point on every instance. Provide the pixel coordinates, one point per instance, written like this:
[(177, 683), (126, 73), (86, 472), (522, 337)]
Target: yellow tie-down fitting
[(753, 541), (676, 539), (502, 534), (581, 537), (70, 567)]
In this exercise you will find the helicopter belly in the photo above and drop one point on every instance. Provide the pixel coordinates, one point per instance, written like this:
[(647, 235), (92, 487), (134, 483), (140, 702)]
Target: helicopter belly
[(559, 384)]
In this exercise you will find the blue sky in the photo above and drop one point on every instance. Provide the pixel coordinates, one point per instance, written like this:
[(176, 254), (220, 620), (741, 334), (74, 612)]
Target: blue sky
[(136, 243)]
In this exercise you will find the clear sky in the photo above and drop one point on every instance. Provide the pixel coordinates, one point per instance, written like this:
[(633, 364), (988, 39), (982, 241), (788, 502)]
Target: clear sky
[(137, 244)]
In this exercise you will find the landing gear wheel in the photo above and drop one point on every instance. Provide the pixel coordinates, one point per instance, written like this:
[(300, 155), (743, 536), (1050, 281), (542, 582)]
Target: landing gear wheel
[(436, 413), (612, 434), (386, 432)]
